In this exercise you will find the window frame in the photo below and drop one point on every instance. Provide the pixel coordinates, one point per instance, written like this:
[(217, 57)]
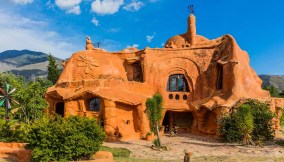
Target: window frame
[(175, 79), (97, 108)]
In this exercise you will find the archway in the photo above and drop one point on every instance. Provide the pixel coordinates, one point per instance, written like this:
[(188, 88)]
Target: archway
[(183, 120), (59, 109)]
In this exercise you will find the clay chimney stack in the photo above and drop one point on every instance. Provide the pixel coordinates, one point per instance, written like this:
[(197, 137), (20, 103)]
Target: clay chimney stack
[(191, 31)]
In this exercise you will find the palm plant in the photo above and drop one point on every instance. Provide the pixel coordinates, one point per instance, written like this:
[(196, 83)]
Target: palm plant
[(6, 97), (244, 122)]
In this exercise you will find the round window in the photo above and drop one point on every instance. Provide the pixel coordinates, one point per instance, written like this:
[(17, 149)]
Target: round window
[(177, 97), (184, 97)]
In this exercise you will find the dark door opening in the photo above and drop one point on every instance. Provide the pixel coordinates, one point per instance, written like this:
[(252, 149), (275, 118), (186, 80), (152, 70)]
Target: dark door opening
[(60, 109), (166, 122), (182, 120)]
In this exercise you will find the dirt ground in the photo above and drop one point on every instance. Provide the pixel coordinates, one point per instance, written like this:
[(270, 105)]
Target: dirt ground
[(203, 148)]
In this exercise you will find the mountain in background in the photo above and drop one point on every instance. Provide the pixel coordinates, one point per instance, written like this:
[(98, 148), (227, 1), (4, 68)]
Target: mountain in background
[(25, 62), (276, 81)]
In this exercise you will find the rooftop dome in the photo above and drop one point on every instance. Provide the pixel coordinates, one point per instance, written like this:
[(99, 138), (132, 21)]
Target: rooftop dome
[(187, 39)]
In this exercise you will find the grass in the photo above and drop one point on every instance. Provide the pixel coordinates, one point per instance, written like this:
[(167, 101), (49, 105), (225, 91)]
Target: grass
[(117, 152), (281, 143)]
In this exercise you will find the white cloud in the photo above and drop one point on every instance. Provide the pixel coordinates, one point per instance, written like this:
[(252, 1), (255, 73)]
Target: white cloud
[(106, 7), (22, 2), (67, 3), (75, 10), (95, 21), (150, 37), (21, 33), (133, 46), (71, 6), (135, 5)]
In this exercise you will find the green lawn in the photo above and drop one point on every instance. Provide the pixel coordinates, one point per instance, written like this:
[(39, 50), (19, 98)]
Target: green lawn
[(117, 152)]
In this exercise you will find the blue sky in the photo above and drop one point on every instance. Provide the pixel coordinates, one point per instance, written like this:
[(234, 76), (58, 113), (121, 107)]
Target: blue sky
[(60, 26)]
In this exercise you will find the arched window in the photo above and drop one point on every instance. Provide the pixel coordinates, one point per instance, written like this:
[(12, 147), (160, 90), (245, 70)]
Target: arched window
[(177, 83), (95, 104)]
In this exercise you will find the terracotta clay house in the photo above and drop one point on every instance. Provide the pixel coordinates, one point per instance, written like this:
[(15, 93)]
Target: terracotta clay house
[(199, 79)]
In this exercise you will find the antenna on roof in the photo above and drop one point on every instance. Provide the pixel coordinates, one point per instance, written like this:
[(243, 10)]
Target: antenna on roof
[(191, 9)]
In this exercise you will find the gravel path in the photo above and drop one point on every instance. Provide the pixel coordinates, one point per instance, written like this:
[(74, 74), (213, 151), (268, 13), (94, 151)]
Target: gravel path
[(200, 146)]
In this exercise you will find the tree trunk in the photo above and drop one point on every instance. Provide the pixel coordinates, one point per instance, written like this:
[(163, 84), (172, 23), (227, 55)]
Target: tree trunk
[(157, 127)]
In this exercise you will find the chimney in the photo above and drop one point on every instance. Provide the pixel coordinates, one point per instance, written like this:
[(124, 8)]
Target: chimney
[(191, 31)]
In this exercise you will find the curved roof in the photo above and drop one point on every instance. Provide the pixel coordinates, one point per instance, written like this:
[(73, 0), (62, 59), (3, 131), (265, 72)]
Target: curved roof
[(92, 64), (181, 41)]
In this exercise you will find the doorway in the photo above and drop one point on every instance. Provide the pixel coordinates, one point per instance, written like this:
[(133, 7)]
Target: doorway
[(59, 109), (182, 120)]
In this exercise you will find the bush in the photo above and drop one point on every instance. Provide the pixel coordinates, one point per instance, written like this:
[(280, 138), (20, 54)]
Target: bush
[(156, 143), (58, 139), (245, 122), (231, 129), (262, 116), (13, 131)]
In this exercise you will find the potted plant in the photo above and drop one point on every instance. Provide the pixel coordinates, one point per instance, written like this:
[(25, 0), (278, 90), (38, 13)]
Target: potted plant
[(149, 136)]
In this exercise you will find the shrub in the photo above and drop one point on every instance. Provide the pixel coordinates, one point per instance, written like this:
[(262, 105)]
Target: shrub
[(262, 116), (229, 130), (244, 122), (234, 126), (13, 131), (156, 143), (58, 139)]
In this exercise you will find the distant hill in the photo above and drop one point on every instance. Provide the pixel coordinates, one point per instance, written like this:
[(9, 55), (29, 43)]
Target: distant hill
[(34, 64), (276, 80), (25, 62)]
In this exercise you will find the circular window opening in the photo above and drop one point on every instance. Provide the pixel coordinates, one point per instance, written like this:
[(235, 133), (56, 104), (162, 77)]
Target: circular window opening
[(184, 97), (177, 97), (127, 122), (171, 96)]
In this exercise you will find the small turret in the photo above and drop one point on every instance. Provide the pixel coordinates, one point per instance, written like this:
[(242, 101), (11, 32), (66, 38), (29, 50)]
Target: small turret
[(189, 38), (191, 30)]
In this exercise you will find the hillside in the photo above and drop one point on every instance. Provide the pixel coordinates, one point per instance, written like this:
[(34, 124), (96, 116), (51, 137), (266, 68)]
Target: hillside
[(276, 80), (25, 62)]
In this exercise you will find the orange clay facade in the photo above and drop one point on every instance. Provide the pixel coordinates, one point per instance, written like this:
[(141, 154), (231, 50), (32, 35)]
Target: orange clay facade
[(199, 79)]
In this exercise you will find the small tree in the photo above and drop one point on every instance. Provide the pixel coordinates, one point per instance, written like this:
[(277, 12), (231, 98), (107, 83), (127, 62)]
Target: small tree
[(53, 72), (272, 90), (281, 94), (154, 112), (32, 100)]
